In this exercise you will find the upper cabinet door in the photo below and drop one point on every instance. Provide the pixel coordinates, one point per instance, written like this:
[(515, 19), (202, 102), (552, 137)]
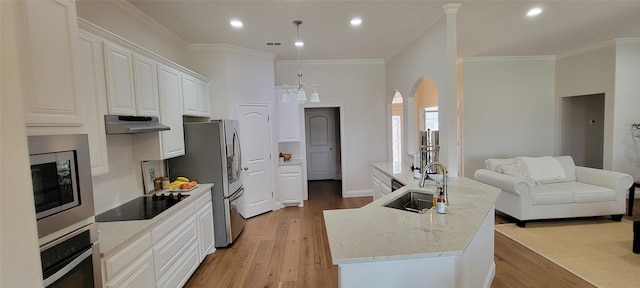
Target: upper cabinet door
[(49, 38), (146, 86), (288, 119), (203, 99), (120, 87), (170, 92), (189, 95)]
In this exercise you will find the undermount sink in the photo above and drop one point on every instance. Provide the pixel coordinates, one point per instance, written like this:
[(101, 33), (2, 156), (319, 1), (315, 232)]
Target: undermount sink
[(412, 201)]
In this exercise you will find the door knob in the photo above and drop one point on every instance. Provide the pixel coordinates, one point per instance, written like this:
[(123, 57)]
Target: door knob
[(246, 168)]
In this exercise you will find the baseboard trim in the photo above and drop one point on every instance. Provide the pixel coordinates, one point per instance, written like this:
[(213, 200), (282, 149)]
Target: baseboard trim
[(357, 193)]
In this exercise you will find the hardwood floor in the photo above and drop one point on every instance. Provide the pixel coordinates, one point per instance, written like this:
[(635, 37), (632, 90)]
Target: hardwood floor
[(289, 248)]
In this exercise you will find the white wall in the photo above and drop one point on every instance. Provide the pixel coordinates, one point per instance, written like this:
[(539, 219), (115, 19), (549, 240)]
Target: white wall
[(586, 72), (19, 249), (509, 109), (124, 20), (238, 75), (424, 57), (359, 87), (626, 149)]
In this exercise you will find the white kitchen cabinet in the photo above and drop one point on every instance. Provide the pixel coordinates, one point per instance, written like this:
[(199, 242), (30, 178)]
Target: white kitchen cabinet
[(381, 184), (175, 248), (204, 109), (146, 86), (288, 119), (189, 95), (48, 41), (132, 266), (92, 88), (131, 82), (164, 144), (204, 208), (291, 184)]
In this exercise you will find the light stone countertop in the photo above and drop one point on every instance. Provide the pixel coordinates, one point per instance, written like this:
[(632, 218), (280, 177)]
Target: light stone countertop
[(375, 233), (291, 162), (114, 236)]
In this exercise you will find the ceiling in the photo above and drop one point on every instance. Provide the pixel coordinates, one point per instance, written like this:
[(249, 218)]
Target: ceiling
[(485, 28)]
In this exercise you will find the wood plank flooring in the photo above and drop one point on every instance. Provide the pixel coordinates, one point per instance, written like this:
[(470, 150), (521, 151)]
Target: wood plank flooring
[(289, 248)]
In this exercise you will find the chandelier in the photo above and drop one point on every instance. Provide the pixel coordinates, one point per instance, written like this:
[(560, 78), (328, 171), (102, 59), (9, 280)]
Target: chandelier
[(298, 90)]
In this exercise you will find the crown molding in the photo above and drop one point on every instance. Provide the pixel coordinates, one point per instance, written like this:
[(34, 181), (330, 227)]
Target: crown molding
[(587, 49), (331, 62), (230, 48), (507, 58), (627, 40), (141, 16)]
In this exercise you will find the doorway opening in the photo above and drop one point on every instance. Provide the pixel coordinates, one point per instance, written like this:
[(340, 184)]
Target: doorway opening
[(396, 127), (323, 145), (582, 129)]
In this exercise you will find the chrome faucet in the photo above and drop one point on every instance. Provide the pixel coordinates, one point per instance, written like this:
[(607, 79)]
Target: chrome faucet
[(444, 178)]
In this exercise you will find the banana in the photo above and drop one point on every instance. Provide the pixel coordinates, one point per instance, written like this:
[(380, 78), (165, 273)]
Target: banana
[(182, 179)]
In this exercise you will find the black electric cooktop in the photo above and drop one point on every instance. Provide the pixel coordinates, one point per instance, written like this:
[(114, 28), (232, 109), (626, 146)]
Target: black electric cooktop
[(141, 208)]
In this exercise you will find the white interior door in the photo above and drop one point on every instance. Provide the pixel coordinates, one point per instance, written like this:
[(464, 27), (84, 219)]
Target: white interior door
[(320, 138), (255, 142)]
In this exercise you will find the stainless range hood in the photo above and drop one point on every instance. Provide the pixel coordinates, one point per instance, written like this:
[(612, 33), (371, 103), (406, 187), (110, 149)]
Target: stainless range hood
[(116, 124)]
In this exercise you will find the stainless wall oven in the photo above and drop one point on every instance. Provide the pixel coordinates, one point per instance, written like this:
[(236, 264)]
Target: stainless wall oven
[(61, 179), (63, 194)]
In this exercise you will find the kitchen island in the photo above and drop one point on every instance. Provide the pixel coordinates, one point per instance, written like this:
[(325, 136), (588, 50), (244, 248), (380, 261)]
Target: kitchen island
[(376, 246)]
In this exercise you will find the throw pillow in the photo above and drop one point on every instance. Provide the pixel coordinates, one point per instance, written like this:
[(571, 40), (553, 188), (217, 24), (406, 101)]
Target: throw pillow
[(518, 169)]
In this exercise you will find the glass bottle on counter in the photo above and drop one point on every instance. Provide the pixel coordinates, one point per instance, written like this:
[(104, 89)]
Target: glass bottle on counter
[(441, 205)]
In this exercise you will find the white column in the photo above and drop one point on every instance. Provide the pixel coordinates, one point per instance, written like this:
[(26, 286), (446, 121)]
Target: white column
[(450, 149)]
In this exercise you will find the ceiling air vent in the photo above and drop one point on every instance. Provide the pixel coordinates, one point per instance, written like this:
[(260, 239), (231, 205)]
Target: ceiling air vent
[(274, 43)]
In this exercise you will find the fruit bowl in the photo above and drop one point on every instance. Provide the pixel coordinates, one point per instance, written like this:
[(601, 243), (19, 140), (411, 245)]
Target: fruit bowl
[(287, 157)]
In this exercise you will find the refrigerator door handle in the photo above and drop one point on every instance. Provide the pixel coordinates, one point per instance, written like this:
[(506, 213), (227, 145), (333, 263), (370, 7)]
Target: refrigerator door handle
[(236, 194), (236, 138)]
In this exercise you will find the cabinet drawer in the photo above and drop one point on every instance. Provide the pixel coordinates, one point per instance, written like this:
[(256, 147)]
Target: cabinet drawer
[(290, 169), (173, 245), (118, 262), (174, 221), (139, 275), (181, 270)]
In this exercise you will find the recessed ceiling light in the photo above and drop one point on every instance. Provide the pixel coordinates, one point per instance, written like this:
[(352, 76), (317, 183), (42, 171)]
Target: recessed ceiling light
[(299, 43), (356, 21), (534, 11), (236, 23)]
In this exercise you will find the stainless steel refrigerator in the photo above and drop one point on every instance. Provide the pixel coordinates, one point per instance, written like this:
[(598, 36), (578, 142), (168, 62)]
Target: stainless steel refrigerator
[(213, 156)]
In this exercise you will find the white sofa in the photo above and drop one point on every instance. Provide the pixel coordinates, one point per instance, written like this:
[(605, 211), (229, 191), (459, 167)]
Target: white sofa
[(582, 192)]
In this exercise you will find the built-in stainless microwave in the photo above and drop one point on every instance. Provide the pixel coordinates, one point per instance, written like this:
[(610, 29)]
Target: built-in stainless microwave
[(61, 179)]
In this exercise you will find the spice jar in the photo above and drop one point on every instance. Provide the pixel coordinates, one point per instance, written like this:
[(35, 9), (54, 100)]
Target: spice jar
[(165, 182), (157, 184)]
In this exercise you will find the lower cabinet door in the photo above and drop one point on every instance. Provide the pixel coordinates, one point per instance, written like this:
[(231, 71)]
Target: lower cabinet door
[(181, 270), (291, 184), (140, 275), (205, 230)]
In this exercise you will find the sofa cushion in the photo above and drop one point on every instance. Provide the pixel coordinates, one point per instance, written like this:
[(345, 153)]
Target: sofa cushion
[(586, 193), (570, 192), (544, 168), (552, 194), (569, 170)]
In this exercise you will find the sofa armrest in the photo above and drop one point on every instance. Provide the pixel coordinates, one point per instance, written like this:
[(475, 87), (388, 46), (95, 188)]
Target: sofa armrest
[(506, 183), (617, 181)]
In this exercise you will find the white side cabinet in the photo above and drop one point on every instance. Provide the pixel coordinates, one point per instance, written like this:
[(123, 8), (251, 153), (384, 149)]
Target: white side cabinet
[(164, 144), (92, 88), (48, 42), (131, 82), (189, 95), (195, 96), (381, 184), (204, 208), (204, 109), (291, 184), (131, 266), (288, 119)]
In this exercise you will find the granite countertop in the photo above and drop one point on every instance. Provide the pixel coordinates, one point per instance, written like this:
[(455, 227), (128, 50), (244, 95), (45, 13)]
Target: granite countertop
[(116, 235), (375, 233)]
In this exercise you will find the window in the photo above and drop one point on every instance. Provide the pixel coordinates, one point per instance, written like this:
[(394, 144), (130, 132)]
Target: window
[(431, 118), (396, 135)]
